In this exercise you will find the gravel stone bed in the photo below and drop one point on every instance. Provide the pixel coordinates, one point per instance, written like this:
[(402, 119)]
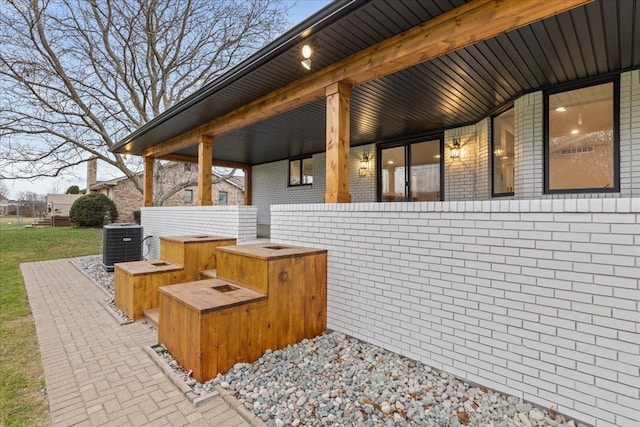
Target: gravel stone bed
[(336, 380)]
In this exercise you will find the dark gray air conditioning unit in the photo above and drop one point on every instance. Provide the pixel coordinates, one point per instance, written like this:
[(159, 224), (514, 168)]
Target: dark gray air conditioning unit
[(121, 242)]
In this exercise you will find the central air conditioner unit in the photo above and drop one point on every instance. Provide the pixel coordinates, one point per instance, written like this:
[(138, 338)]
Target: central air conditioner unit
[(121, 242)]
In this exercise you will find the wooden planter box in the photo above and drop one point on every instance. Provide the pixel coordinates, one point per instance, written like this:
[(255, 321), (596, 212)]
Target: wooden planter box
[(136, 284), (295, 280), (208, 331), (195, 253), (268, 297)]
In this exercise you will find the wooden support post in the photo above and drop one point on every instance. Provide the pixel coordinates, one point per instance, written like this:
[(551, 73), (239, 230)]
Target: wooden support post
[(205, 163), (147, 189), (247, 185), (338, 143)]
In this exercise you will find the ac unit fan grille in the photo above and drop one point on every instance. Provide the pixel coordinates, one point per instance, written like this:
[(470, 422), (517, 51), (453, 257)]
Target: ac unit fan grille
[(121, 243)]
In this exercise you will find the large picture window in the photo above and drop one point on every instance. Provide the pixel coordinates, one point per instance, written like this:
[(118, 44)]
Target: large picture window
[(410, 172), (503, 153), (581, 150), (301, 171)]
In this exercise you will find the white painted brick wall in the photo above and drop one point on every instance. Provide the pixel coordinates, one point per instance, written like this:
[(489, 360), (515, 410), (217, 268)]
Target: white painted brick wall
[(362, 184), (483, 180), (231, 221), (461, 173), (629, 129), (537, 298), (270, 182), (529, 150), (467, 178), (628, 93)]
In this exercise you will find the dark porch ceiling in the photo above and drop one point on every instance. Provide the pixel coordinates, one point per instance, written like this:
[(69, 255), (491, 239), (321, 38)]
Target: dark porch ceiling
[(458, 88)]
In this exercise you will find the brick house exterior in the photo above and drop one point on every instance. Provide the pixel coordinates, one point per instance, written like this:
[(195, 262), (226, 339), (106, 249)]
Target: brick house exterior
[(128, 199)]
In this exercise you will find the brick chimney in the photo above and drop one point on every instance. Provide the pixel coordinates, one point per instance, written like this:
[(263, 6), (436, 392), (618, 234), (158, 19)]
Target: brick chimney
[(92, 171)]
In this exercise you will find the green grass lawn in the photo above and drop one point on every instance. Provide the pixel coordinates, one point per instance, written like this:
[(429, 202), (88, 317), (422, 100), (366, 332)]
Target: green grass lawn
[(22, 402), (11, 222)]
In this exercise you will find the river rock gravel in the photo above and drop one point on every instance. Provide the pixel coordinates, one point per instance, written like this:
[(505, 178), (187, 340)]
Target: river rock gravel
[(336, 380)]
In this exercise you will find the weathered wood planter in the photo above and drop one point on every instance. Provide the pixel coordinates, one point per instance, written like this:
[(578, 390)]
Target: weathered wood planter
[(136, 284), (195, 253), (266, 296), (182, 259)]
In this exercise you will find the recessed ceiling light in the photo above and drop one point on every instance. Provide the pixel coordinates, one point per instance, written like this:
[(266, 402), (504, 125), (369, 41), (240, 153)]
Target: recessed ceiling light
[(437, 156), (575, 132), (306, 54), (561, 110), (390, 162), (306, 51)]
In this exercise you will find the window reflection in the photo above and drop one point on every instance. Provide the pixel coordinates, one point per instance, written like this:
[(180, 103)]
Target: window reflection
[(503, 153), (581, 139), (421, 180)]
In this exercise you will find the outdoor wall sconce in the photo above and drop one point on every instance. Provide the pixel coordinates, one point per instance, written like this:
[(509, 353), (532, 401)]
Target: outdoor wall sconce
[(500, 153), (455, 149), (306, 54), (364, 164)]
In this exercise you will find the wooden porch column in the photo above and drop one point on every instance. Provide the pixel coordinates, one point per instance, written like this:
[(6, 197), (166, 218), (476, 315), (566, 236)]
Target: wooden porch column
[(147, 185), (338, 143), (247, 185), (205, 163)]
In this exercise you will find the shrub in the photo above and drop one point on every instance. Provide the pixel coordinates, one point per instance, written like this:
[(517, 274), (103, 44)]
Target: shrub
[(136, 216), (93, 210), (74, 189)]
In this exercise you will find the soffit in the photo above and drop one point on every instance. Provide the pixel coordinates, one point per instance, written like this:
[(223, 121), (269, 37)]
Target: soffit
[(455, 89)]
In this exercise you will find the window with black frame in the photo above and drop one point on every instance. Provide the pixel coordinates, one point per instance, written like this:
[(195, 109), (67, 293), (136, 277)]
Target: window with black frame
[(503, 147), (410, 172), (301, 172), (581, 149)]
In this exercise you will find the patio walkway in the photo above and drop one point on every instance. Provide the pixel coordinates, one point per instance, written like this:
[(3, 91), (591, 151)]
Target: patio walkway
[(96, 371)]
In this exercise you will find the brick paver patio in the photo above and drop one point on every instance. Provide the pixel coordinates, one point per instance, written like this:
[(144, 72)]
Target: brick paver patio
[(96, 371)]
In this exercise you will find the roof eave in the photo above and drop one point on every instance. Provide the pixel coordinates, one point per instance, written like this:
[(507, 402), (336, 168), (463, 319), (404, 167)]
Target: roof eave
[(322, 18)]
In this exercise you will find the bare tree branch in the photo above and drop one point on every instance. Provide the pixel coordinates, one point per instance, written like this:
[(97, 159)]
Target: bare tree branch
[(4, 190), (77, 76)]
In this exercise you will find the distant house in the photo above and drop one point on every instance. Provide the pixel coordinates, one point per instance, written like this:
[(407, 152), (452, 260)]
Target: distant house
[(128, 199), (4, 205), (58, 207), (60, 204)]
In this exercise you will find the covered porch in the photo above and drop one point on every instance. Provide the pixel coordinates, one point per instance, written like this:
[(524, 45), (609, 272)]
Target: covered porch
[(528, 289), (366, 85)]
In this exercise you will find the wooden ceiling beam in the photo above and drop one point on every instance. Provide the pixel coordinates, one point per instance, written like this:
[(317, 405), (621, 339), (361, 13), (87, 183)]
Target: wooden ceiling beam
[(460, 27), (279, 101), (190, 159), (185, 140)]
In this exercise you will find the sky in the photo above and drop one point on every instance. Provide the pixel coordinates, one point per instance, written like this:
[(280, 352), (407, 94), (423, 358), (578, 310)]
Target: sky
[(299, 10)]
